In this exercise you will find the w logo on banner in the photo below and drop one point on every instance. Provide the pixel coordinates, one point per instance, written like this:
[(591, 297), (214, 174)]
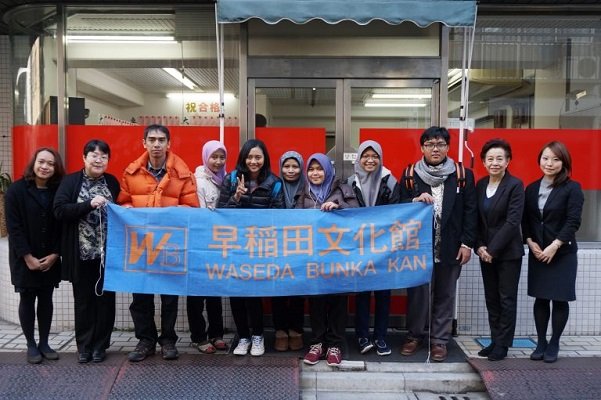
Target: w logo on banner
[(160, 249)]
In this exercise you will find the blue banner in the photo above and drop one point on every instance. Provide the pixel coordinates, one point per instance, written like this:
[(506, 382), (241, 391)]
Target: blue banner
[(246, 252)]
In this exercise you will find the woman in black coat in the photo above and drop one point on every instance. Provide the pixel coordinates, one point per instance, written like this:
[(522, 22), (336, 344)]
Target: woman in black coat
[(33, 246), (499, 244), (250, 185), (552, 215), (79, 204)]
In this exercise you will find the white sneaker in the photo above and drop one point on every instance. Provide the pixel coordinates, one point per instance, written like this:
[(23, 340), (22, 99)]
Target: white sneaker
[(242, 347), (258, 346)]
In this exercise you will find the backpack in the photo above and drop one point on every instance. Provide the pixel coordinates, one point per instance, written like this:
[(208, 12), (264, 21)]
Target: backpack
[(233, 183), (410, 180)]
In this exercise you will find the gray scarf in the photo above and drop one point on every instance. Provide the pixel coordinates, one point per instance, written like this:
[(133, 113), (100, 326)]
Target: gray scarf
[(435, 175)]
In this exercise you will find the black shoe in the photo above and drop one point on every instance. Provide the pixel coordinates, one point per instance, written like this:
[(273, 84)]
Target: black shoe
[(47, 352), (142, 350), (84, 357), (487, 350), (498, 353), (551, 353), (539, 353), (33, 355), (98, 356), (169, 351)]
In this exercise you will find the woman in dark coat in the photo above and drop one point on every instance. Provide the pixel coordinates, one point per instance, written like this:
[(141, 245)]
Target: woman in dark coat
[(499, 244), (250, 185), (552, 216), (373, 184), (79, 204), (328, 312), (33, 246)]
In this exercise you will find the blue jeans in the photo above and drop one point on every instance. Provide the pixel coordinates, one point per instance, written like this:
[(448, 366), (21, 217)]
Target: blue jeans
[(382, 310)]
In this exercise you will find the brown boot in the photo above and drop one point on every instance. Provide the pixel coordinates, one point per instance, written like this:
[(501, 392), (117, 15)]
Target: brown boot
[(296, 340), (281, 340)]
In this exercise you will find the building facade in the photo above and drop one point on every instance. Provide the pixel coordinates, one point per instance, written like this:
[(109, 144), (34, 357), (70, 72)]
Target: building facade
[(72, 72)]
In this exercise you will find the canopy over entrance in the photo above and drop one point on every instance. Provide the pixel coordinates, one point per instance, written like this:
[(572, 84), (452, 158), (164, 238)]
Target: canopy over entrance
[(453, 13)]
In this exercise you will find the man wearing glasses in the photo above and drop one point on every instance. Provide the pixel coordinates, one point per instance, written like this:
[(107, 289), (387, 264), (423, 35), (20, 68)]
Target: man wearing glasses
[(439, 181), (158, 178)]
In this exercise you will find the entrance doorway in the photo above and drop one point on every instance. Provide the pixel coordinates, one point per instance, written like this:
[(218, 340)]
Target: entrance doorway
[(345, 110), (334, 116)]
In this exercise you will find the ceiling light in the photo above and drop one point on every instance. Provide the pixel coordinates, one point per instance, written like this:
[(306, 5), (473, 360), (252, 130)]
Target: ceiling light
[(119, 39), (201, 96), (180, 77), (395, 105), (401, 96)]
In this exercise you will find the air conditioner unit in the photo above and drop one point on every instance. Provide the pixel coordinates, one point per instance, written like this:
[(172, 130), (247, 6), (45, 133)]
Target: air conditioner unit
[(585, 68)]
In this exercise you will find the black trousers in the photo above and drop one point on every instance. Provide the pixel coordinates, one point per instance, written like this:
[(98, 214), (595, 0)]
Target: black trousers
[(198, 328), (94, 315), (328, 319), (142, 313), (248, 314), (288, 313), (501, 280)]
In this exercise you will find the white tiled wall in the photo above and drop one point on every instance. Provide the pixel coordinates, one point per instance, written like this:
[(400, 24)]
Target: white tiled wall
[(6, 117), (585, 312)]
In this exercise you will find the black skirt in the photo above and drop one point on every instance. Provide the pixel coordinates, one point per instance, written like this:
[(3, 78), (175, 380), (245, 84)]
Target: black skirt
[(554, 281)]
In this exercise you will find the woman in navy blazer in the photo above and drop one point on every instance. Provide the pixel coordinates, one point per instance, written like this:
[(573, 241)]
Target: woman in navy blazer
[(552, 216), (499, 244)]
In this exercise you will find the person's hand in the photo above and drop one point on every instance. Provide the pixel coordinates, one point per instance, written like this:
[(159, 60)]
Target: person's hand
[(549, 252), (463, 255), (32, 262), (329, 206), (240, 189), (484, 254), (47, 262), (424, 198), (98, 201), (535, 249)]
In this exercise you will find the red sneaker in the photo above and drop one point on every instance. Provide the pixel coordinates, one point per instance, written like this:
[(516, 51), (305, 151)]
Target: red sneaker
[(314, 354), (334, 357)]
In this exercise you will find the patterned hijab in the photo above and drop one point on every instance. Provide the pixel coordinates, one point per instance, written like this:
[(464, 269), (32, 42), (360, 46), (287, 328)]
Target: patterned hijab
[(369, 182), (290, 188), (321, 192), (207, 150)]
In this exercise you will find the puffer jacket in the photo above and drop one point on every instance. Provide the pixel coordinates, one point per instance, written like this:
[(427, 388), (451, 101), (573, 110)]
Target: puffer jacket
[(340, 193), (206, 189), (139, 188), (262, 197)]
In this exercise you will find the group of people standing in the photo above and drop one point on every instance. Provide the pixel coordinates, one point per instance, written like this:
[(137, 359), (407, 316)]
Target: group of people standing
[(49, 214)]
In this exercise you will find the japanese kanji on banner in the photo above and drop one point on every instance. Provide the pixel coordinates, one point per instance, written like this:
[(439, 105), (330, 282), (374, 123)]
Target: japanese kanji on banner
[(246, 252)]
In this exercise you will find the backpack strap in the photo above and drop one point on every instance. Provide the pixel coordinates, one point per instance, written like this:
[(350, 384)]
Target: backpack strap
[(276, 189), (233, 181), (460, 171), (409, 179)]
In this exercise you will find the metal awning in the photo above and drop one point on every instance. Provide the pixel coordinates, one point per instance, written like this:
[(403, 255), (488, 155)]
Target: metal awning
[(453, 13)]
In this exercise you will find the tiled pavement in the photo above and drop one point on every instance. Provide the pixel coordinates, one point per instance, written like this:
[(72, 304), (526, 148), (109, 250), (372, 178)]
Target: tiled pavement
[(12, 339)]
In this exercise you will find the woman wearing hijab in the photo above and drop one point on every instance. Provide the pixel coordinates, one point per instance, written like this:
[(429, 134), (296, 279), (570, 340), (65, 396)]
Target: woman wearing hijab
[(209, 177), (373, 185), (288, 311), (328, 312)]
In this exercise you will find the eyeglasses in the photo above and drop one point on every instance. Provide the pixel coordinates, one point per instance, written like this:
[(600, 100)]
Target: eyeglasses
[(439, 145), (374, 157), (96, 156)]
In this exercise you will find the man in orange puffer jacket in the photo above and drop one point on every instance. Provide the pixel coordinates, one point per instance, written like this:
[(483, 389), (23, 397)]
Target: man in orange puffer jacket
[(158, 178)]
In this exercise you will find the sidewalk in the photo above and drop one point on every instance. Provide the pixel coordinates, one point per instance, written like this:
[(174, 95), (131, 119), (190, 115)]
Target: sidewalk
[(355, 379)]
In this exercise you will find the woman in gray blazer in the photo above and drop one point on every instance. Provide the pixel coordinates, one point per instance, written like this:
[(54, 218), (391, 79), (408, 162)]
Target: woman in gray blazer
[(499, 244), (552, 215)]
